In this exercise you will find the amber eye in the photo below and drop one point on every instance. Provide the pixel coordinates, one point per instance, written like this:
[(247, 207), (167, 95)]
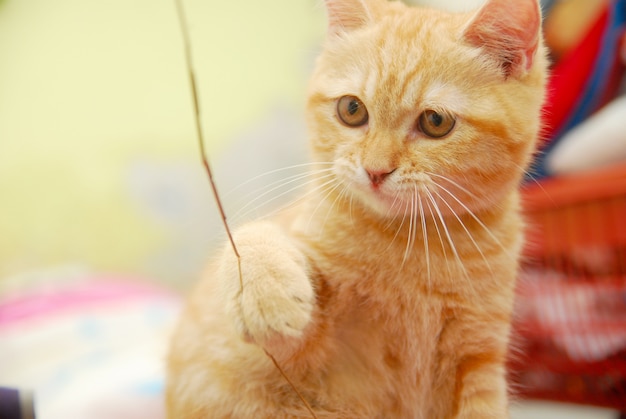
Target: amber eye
[(435, 124), (352, 111)]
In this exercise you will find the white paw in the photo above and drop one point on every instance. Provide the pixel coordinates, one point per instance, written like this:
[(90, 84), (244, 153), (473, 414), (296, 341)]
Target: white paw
[(279, 302), (277, 297)]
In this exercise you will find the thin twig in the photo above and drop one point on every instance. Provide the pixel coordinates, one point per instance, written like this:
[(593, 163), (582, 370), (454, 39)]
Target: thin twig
[(300, 396), (199, 132), (205, 162)]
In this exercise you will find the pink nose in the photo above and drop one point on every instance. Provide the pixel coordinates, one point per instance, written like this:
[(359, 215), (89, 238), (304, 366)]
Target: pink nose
[(378, 176)]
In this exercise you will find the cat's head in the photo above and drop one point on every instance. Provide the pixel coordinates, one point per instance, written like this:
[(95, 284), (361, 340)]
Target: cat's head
[(418, 107)]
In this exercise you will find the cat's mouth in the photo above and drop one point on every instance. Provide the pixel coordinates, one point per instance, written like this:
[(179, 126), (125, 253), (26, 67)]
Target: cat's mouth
[(422, 198), (398, 195), (388, 200)]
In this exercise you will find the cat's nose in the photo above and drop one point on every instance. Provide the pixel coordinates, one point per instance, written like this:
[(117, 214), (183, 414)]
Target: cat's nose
[(378, 176)]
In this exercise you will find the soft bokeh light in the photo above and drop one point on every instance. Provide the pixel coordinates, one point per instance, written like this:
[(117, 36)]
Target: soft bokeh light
[(98, 159)]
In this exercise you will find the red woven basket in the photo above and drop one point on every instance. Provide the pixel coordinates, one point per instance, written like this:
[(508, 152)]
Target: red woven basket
[(570, 329)]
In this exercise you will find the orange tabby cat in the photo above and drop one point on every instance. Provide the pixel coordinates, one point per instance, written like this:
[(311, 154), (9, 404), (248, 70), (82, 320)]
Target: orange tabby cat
[(388, 292)]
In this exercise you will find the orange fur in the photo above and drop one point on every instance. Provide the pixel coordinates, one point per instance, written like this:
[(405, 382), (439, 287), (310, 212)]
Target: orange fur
[(389, 298)]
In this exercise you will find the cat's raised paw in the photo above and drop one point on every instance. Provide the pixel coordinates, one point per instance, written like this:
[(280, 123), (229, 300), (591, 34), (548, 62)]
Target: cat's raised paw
[(277, 305), (275, 298)]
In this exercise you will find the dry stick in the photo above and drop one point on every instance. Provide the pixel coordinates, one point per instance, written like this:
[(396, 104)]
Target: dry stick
[(199, 132), (291, 384), (205, 162)]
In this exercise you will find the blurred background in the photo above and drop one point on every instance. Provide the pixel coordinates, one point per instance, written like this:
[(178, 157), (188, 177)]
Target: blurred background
[(99, 163), (106, 214)]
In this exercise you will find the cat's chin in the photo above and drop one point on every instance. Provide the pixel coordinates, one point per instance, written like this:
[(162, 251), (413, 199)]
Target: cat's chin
[(383, 204), (399, 205)]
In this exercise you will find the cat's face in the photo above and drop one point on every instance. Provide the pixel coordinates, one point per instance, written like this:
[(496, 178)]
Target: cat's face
[(424, 112)]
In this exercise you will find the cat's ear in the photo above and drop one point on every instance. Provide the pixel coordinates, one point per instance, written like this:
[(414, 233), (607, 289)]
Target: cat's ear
[(509, 31), (347, 15)]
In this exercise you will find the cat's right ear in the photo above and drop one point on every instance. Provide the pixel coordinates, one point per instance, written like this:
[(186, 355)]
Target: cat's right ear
[(509, 31), (347, 15)]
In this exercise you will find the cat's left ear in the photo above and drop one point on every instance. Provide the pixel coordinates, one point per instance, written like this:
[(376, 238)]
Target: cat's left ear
[(347, 15), (509, 31)]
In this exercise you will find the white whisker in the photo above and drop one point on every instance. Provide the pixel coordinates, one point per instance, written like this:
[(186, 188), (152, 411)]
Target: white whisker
[(534, 180), (240, 213), (449, 238), (319, 189), (475, 218), (453, 182), (271, 187), (424, 234), (469, 235), (406, 207), (389, 214), (271, 172), (332, 205), (443, 247), (411, 235), (393, 203), (350, 208)]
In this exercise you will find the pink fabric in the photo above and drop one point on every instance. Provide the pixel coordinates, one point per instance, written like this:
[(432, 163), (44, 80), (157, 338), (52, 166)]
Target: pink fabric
[(68, 329), (74, 296)]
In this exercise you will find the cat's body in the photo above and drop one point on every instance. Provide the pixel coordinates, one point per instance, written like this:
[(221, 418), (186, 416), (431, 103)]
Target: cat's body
[(387, 293)]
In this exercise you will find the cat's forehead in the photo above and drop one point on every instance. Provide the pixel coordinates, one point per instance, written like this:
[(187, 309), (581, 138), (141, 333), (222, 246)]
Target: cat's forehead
[(395, 88), (401, 63)]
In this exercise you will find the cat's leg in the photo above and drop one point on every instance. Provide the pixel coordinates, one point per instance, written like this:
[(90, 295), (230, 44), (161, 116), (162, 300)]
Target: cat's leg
[(219, 367), (481, 388), (472, 359), (271, 304)]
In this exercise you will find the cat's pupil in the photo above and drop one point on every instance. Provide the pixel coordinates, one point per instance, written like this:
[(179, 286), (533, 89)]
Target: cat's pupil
[(435, 124), (436, 119), (353, 107), (351, 111)]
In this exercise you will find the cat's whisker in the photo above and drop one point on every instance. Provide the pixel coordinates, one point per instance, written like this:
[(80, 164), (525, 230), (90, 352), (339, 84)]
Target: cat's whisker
[(534, 179), (324, 190), (414, 212), (443, 247), (271, 187), (452, 182), (393, 203), (410, 234), (339, 196), (299, 175), (245, 210), (270, 213), (449, 239), (410, 228), (343, 196), (254, 200), (464, 227), (282, 169), (399, 229), (389, 212), (350, 208), (391, 220), (281, 183), (424, 233), (475, 218), (528, 171), (313, 191)]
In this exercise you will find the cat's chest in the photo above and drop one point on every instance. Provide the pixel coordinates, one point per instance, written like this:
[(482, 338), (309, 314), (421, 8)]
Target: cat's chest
[(390, 345), (397, 329)]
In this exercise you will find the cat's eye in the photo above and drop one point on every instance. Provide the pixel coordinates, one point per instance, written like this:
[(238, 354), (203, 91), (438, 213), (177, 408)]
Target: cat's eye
[(436, 124), (351, 111)]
